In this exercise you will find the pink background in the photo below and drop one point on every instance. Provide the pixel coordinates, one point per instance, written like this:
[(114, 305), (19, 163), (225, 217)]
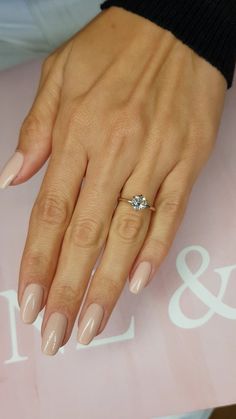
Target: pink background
[(159, 355)]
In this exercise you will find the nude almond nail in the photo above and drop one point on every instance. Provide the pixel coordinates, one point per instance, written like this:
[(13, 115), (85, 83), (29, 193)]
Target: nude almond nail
[(11, 169), (54, 333), (31, 303), (140, 277), (90, 323)]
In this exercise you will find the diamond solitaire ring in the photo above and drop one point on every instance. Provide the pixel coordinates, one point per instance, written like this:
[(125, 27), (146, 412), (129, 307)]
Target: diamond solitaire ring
[(138, 202)]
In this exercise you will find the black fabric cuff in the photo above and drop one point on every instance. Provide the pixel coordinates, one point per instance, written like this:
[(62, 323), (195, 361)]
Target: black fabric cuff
[(206, 26)]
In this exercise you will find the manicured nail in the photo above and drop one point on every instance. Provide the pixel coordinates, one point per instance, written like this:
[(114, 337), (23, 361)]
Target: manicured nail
[(11, 169), (54, 333), (31, 303), (140, 277), (90, 323)]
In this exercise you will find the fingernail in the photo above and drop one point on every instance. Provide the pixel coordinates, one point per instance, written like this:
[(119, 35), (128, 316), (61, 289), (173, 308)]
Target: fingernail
[(11, 169), (54, 333), (140, 277), (31, 303), (90, 323)]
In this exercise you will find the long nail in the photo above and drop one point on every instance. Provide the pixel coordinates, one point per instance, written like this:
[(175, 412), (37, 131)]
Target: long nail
[(11, 169), (54, 333), (90, 323), (140, 277), (31, 303)]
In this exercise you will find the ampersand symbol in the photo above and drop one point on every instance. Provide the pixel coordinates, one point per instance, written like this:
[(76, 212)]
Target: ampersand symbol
[(190, 280)]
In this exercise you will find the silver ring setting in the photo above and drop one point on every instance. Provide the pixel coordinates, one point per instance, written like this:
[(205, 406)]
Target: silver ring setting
[(138, 203)]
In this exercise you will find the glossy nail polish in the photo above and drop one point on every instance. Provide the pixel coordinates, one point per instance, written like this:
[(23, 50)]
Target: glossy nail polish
[(140, 277), (11, 169), (90, 323), (31, 303), (54, 333)]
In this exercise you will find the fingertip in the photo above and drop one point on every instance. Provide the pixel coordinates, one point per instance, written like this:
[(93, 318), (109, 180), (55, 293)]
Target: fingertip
[(11, 169), (31, 165)]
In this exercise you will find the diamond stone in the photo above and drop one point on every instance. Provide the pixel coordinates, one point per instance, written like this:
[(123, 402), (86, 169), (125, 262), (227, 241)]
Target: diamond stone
[(139, 202)]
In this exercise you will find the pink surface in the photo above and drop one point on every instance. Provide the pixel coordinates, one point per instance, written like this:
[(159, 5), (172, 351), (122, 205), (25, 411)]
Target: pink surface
[(170, 349)]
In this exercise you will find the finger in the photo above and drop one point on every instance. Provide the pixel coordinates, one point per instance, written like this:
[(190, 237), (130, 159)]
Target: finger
[(81, 247), (49, 219), (170, 206), (35, 137), (34, 144), (126, 235)]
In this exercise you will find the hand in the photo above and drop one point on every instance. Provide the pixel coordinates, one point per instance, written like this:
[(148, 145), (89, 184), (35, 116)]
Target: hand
[(132, 109)]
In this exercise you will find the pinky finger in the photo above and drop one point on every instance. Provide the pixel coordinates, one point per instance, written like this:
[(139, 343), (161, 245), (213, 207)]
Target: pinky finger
[(170, 204)]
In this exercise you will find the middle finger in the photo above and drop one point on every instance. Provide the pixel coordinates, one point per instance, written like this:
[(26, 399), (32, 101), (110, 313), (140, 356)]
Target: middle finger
[(81, 246)]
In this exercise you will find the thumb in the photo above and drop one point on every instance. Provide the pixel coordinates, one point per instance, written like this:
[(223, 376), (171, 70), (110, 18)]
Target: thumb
[(34, 145)]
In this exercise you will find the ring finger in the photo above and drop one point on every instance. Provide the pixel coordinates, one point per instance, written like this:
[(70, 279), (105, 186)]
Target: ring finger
[(82, 243), (126, 236)]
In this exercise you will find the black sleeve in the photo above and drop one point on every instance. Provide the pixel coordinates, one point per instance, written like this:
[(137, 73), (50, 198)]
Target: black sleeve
[(206, 26)]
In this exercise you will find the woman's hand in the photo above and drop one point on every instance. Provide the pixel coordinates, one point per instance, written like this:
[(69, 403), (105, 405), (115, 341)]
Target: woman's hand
[(134, 110)]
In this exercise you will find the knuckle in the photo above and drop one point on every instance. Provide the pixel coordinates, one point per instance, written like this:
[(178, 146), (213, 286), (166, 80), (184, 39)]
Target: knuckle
[(79, 113), (67, 297), (124, 126), (128, 227), (171, 205), (115, 286), (158, 246), (32, 125), (66, 294), (51, 209), (127, 124), (35, 263), (86, 232), (111, 282)]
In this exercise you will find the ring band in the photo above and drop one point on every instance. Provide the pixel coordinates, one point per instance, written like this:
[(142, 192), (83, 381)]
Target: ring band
[(138, 202)]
